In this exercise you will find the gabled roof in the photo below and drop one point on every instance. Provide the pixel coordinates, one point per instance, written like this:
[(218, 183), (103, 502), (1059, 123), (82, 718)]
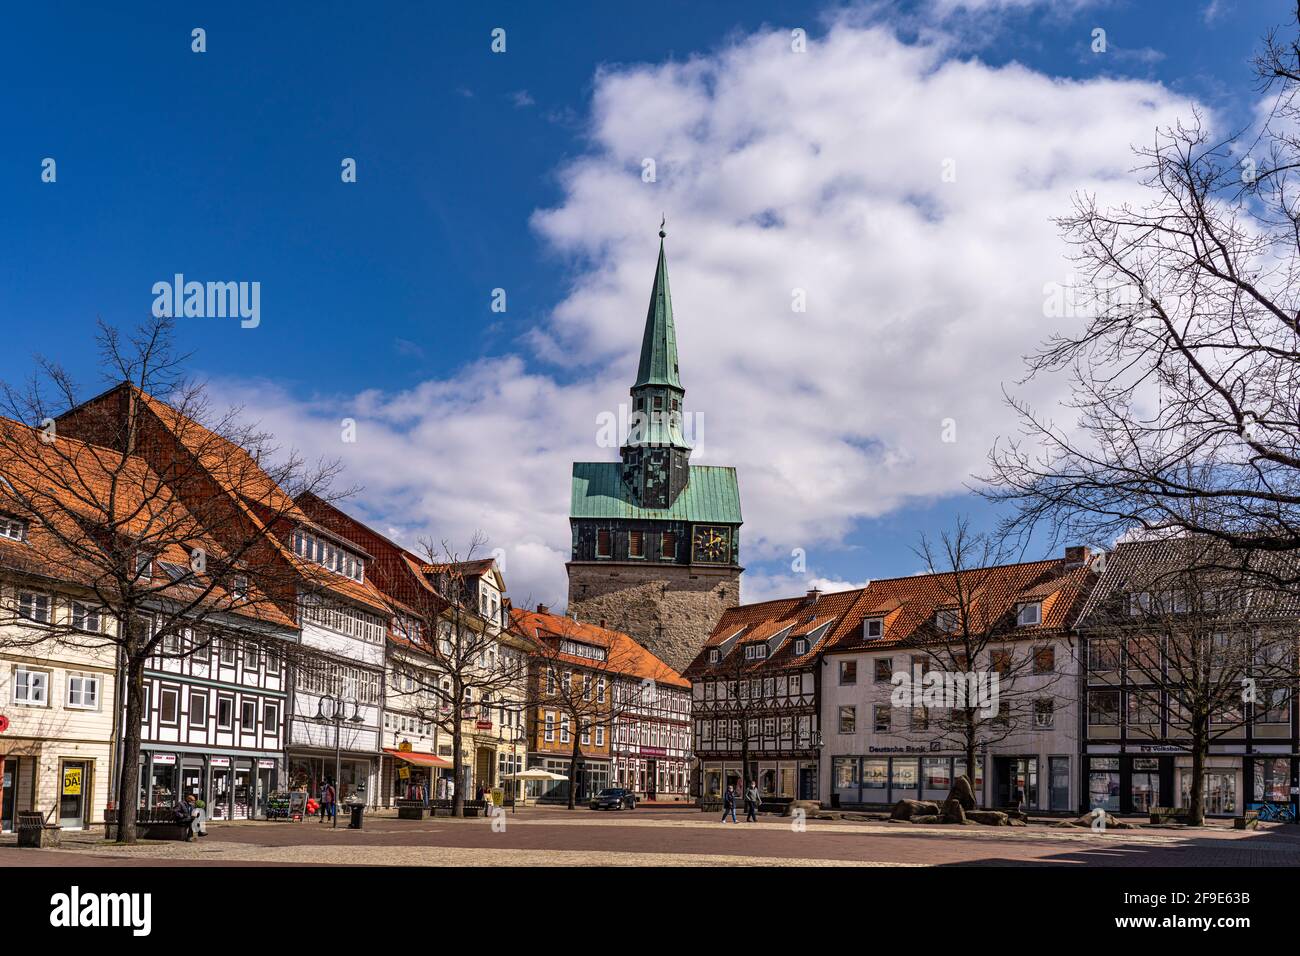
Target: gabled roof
[(626, 657), (711, 495)]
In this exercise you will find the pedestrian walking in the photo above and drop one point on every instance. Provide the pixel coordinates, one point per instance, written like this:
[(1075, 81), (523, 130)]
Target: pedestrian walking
[(327, 808), (752, 802), (729, 804)]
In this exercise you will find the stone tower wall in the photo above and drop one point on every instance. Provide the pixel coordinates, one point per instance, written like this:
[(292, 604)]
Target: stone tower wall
[(637, 599)]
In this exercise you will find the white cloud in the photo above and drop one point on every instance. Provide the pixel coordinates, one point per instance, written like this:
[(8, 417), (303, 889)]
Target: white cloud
[(820, 171)]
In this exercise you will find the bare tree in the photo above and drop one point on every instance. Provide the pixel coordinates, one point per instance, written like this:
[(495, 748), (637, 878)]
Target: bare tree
[(472, 667), (590, 677), (973, 636), (1185, 364), (160, 511), (1197, 651)]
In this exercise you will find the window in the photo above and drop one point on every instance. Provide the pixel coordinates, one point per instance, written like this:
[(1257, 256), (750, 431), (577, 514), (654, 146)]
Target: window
[(550, 682), (564, 731), (252, 657), (1103, 707), (12, 528), (1028, 615), (1044, 660), (881, 713), (715, 655), (1273, 706), (603, 544), (228, 652), (34, 607), (83, 691), (636, 544), (600, 691), (1103, 656), (168, 700), (600, 736), (1044, 713), (848, 720), (85, 617), (945, 620), (586, 733), (225, 712), (800, 647), (31, 687), (144, 567), (884, 669), (754, 652), (1000, 662), (1143, 708), (848, 672), (271, 719), (239, 587), (873, 627), (668, 546), (248, 716)]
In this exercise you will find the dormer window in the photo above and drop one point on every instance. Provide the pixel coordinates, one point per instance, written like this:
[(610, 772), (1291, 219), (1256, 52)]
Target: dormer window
[(801, 647), (873, 628), (328, 555), (12, 528), (945, 620), (755, 652), (1030, 614), (144, 566), (715, 656)]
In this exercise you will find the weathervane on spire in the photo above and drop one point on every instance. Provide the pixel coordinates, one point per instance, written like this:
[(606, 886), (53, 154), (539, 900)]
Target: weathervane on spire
[(662, 219)]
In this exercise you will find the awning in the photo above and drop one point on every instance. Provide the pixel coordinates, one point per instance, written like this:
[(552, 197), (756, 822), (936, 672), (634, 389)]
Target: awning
[(419, 760)]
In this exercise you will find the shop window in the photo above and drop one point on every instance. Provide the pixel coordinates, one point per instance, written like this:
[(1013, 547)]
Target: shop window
[(1103, 783), (936, 773), (1272, 779), (875, 779)]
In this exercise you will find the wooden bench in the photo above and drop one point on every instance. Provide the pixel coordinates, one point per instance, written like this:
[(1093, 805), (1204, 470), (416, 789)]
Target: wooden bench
[(1169, 815), (1247, 821), (711, 804), (473, 808), (150, 824), (412, 809), (34, 832)]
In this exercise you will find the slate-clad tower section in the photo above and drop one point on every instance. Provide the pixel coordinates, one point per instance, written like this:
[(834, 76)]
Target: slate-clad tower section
[(656, 540)]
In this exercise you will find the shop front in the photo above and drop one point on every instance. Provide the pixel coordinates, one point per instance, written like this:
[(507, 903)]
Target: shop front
[(411, 775), (357, 776), (1161, 776), (882, 780), (234, 785), (593, 776), (796, 779)]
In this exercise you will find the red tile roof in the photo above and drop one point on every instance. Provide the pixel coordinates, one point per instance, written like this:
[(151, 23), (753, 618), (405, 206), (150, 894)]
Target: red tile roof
[(625, 656)]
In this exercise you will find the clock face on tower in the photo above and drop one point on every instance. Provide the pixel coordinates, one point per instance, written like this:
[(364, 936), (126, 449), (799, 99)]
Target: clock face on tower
[(711, 544)]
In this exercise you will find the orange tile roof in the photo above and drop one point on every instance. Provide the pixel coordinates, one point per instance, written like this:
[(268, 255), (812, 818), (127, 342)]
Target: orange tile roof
[(907, 605), (626, 656)]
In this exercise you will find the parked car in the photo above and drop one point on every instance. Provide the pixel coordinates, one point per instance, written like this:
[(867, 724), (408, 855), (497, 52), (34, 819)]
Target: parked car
[(614, 798)]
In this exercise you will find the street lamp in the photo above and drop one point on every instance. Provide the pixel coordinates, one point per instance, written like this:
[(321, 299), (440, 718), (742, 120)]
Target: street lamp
[(335, 708)]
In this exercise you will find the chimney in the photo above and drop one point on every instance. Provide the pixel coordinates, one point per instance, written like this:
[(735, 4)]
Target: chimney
[(543, 609), (814, 594), (1076, 557)]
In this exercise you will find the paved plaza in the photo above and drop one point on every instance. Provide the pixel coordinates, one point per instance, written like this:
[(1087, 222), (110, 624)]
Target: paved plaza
[(673, 837)]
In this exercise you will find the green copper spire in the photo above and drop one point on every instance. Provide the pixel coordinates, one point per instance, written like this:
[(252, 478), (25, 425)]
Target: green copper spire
[(659, 345)]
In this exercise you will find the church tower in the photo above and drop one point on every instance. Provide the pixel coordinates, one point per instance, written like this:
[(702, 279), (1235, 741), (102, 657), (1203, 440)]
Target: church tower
[(656, 539)]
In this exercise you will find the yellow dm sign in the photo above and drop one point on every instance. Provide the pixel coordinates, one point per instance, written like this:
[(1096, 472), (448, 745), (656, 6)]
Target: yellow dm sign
[(403, 773), (404, 747), (72, 781)]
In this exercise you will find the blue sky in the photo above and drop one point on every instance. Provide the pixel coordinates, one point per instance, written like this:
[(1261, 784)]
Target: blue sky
[(479, 171)]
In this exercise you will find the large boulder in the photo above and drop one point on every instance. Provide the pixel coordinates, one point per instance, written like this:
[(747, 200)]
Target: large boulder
[(990, 818), (963, 792), (1092, 819), (807, 806), (907, 809), (953, 812), (927, 818)]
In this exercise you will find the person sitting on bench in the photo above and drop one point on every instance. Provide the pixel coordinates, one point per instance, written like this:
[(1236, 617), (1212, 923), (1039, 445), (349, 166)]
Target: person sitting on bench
[(198, 816)]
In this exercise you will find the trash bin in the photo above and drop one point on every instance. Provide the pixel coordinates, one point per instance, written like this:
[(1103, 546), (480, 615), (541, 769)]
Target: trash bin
[(357, 811)]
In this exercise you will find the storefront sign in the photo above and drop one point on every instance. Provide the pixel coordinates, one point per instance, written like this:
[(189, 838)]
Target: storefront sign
[(1160, 749), (266, 764), (72, 781), (404, 747), (164, 758), (403, 773), (216, 761), (482, 725), (653, 752), (898, 750)]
